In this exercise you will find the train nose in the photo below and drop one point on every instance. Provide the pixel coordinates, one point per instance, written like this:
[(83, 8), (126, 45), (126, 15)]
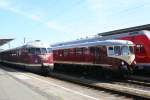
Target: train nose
[(44, 58), (130, 59)]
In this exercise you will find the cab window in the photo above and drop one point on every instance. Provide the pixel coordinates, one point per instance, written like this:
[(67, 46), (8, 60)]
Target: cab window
[(37, 51), (34, 50), (49, 50), (131, 49), (117, 50), (125, 50), (43, 50)]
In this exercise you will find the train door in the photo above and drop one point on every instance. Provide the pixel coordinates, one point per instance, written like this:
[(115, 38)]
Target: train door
[(97, 54), (24, 55)]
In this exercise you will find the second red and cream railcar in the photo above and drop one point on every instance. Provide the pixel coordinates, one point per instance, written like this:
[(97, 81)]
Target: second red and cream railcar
[(34, 56), (112, 55)]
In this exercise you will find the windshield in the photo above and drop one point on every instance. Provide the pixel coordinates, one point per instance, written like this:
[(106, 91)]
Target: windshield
[(117, 50), (43, 50), (49, 50), (120, 50), (125, 50), (37, 50)]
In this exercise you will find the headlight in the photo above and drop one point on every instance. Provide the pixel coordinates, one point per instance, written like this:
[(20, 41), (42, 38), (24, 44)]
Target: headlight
[(122, 63)]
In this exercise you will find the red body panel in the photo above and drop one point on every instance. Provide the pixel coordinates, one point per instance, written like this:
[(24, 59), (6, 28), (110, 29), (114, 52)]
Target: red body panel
[(144, 56), (27, 58), (83, 57)]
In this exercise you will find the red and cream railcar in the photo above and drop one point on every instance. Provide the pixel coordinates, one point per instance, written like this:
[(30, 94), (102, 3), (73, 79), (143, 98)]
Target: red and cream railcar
[(141, 39), (34, 56), (112, 55)]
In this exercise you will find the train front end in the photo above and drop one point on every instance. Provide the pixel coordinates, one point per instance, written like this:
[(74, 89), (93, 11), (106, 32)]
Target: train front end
[(125, 53), (41, 57), (46, 58)]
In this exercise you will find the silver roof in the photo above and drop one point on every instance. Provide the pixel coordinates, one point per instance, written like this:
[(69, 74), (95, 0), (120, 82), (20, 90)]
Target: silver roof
[(95, 43), (34, 44)]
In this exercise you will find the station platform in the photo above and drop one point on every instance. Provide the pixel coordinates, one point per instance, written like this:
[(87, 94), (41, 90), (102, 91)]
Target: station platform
[(16, 84), (11, 89)]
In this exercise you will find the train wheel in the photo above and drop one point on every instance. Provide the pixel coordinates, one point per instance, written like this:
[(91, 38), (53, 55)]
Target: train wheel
[(125, 71), (108, 75), (44, 70)]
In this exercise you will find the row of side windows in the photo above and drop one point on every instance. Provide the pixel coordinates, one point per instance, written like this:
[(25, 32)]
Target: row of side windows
[(13, 53), (78, 51)]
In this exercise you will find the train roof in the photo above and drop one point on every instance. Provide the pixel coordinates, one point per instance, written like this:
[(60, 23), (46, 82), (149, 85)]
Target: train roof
[(89, 39), (131, 29), (95, 43), (34, 44)]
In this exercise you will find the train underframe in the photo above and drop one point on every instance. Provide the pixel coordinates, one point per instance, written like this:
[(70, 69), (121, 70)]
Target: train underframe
[(92, 70), (43, 69)]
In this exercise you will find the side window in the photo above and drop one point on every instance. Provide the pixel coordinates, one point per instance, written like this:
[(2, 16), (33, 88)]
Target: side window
[(56, 52), (79, 51), (18, 52), (140, 48), (110, 51), (61, 53), (65, 52), (131, 49), (86, 51), (72, 51), (24, 50), (13, 53), (32, 50), (92, 50)]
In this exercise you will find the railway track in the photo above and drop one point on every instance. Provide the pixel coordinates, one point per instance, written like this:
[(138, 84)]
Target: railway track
[(139, 78), (135, 89), (137, 82)]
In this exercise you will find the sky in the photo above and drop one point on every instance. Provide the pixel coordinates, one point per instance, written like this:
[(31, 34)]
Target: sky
[(53, 21)]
